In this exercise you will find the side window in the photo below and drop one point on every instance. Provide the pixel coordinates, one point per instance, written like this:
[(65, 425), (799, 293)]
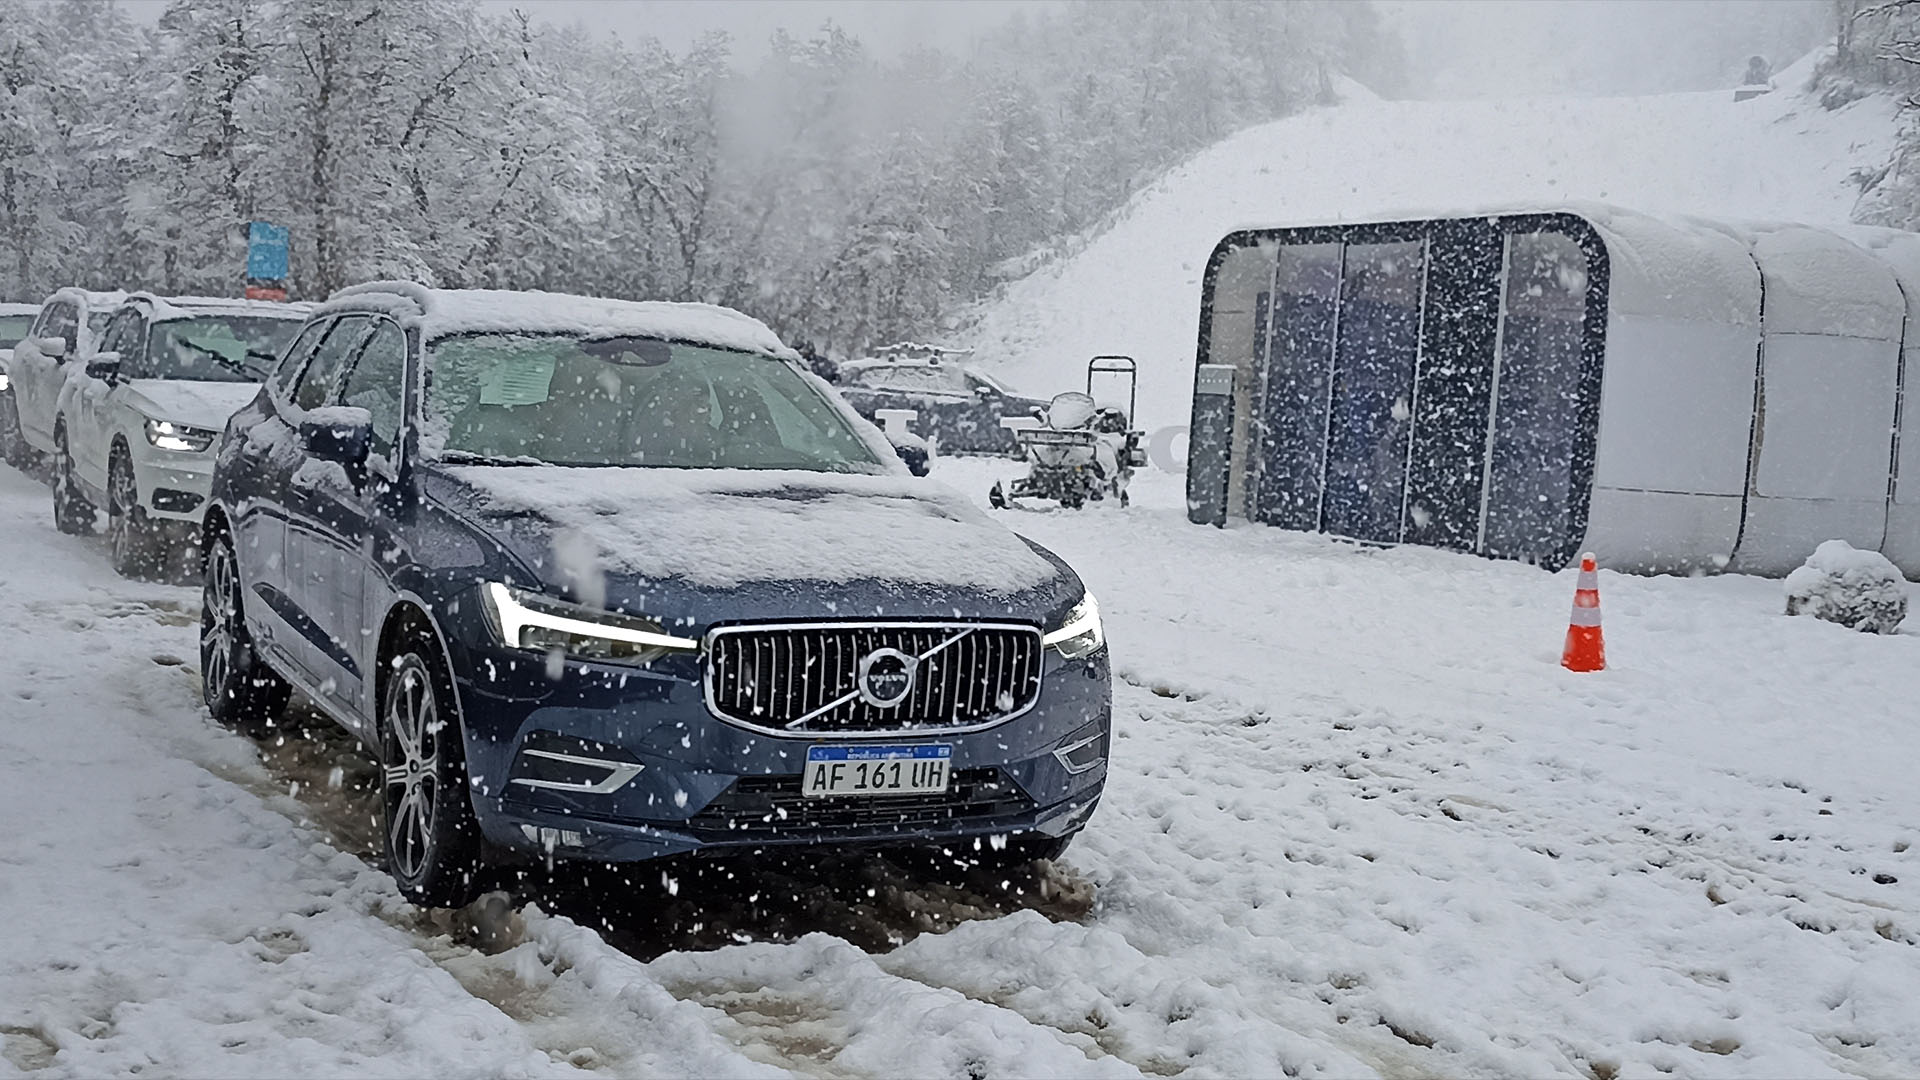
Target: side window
[(319, 385), (123, 337), (296, 358), (378, 384), (63, 322)]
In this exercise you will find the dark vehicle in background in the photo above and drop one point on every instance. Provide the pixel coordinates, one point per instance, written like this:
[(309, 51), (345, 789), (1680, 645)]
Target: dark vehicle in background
[(959, 408), (611, 581)]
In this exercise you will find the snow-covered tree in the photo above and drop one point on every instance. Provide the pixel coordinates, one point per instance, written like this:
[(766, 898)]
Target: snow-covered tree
[(839, 195)]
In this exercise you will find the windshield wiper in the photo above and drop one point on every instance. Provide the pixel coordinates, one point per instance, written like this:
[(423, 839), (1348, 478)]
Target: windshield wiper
[(224, 360)]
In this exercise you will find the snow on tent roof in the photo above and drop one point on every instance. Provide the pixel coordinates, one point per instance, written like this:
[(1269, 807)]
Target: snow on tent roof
[(440, 312), (1818, 282), (1901, 252), (1660, 267), (1674, 268)]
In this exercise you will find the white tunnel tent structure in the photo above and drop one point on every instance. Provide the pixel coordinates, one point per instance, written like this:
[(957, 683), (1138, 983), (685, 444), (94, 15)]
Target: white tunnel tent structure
[(1673, 394)]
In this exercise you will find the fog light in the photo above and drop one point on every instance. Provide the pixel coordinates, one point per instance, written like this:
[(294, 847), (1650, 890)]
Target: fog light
[(1081, 752)]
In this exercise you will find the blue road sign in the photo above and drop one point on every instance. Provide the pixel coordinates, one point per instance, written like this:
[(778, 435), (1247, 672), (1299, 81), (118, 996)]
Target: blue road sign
[(266, 252)]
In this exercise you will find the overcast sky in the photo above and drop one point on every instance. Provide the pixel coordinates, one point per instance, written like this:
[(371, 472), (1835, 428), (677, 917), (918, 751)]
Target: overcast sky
[(1458, 48)]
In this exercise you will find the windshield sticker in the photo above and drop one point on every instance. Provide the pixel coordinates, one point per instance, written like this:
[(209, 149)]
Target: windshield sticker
[(523, 380)]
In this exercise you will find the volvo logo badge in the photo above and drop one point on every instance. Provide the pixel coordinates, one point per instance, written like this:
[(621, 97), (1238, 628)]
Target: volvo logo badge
[(884, 677)]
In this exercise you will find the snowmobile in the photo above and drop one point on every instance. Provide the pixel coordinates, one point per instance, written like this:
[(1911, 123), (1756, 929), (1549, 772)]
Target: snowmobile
[(1077, 450)]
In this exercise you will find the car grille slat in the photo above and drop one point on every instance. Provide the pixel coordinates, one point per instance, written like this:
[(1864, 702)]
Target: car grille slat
[(769, 677)]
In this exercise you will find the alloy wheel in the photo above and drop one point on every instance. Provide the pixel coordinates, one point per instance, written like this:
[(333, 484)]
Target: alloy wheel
[(220, 611), (411, 733), (123, 502)]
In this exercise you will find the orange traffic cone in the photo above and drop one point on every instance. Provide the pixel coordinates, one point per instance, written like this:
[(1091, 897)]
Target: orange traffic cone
[(1586, 650)]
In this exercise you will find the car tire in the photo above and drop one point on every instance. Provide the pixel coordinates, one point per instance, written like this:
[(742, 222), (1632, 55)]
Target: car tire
[(12, 446), (134, 538), (433, 844), (72, 513), (240, 690)]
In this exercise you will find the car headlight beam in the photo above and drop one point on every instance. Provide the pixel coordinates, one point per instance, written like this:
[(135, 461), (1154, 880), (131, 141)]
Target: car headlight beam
[(527, 620), (167, 435), (1080, 634)]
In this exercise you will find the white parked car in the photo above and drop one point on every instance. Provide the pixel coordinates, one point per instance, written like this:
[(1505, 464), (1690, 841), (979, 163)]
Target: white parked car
[(67, 327), (134, 428), (15, 321)]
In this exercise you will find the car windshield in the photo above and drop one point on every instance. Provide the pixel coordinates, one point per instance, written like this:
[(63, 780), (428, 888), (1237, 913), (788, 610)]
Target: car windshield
[(13, 328), (914, 378), (212, 348), (564, 400)]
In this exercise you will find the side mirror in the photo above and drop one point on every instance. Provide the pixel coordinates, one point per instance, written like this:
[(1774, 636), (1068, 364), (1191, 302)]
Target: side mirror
[(52, 348), (985, 392), (912, 450), (104, 366), (342, 433)]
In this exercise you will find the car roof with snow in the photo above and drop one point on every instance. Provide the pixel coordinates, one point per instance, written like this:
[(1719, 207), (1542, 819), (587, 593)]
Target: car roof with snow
[(438, 313), (168, 308), (87, 298)]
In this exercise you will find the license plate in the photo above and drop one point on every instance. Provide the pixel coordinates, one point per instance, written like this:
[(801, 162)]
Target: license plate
[(920, 769)]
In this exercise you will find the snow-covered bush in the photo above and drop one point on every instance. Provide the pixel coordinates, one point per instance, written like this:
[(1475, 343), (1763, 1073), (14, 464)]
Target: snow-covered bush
[(1842, 584)]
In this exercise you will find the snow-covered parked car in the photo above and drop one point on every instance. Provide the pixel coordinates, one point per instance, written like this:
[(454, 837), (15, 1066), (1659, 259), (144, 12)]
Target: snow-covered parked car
[(15, 321), (959, 408), (134, 426), (67, 327), (607, 580)]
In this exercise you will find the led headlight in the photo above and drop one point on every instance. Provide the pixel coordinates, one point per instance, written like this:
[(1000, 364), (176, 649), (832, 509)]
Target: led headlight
[(3, 382), (168, 435), (527, 620), (1080, 634)]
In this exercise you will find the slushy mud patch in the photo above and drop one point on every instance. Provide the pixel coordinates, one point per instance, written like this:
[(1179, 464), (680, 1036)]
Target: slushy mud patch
[(876, 900), (25, 1048), (330, 774)]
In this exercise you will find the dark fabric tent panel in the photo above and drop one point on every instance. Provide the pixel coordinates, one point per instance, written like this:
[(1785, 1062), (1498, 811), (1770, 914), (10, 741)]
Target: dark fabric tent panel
[(1432, 382), (1450, 430)]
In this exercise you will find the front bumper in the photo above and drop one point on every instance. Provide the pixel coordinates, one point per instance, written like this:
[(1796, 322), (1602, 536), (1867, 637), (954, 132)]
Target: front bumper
[(705, 784), (172, 485)]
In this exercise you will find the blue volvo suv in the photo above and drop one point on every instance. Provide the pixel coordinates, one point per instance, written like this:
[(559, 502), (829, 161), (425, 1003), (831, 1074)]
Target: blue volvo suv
[(607, 580)]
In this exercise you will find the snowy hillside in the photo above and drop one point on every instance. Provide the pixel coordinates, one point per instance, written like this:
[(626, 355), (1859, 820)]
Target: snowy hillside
[(1136, 288)]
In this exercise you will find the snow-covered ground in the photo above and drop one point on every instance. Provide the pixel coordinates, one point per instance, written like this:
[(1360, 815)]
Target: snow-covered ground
[(1359, 822), (1134, 288)]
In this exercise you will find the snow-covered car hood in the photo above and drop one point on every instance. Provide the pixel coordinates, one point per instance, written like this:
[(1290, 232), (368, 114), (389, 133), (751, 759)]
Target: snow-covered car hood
[(692, 536), (198, 404)]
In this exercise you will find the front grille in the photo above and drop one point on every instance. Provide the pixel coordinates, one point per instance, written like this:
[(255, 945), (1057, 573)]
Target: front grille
[(763, 807), (801, 679)]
